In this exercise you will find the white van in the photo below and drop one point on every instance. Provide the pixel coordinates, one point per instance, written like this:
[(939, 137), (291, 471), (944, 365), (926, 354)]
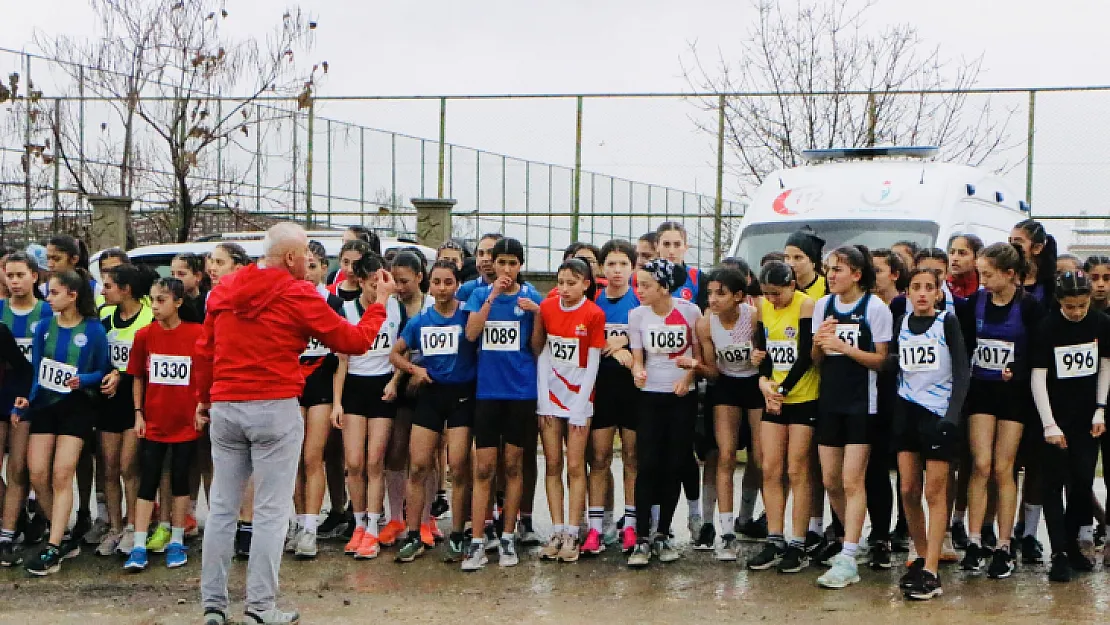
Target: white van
[(877, 196)]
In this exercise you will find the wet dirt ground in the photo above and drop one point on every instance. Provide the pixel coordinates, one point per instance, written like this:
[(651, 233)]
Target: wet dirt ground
[(336, 589)]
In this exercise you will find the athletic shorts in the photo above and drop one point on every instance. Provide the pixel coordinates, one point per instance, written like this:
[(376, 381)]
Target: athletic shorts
[(362, 396), (508, 421), (445, 405), (116, 414), (740, 392), (804, 413), (837, 429), (615, 400), (1007, 401), (73, 416), (318, 387), (918, 434)]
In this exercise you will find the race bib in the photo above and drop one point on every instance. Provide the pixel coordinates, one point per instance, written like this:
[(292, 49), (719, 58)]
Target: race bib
[(120, 353), (315, 349), (501, 336), (25, 347), (381, 345), (735, 354), (666, 339), (563, 351), (170, 370), (1076, 361), (919, 354), (783, 354), (53, 375), (439, 340), (993, 355), (849, 333), (616, 329)]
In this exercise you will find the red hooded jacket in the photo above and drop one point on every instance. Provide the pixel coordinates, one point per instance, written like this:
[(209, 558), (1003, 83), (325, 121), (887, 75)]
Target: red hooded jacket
[(258, 323)]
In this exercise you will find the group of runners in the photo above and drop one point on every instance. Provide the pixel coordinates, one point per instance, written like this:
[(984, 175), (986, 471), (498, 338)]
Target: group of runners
[(978, 373)]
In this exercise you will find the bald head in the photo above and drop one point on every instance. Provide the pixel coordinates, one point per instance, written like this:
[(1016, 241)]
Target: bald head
[(286, 245)]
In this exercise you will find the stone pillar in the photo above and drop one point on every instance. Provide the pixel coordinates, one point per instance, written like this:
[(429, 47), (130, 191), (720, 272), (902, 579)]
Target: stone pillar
[(433, 220), (109, 222)]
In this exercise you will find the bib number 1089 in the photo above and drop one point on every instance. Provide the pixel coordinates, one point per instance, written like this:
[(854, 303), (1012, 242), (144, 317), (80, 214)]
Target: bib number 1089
[(501, 336)]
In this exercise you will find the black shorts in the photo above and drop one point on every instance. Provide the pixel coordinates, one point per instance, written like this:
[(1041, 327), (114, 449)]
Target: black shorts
[(508, 421), (362, 396), (918, 434), (445, 405), (615, 400), (804, 413), (318, 387), (117, 413), (1008, 401), (73, 416), (837, 429), (740, 392)]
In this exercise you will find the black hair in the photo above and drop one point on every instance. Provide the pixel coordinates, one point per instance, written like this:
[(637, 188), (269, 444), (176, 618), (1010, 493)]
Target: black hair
[(496, 236), (1005, 257), (744, 268), (32, 266), (973, 242), (138, 279), (896, 264), (776, 273), (116, 253), (72, 247), (238, 255), (369, 263), (919, 271), (910, 245), (1046, 260), (582, 269), (806, 240), (368, 236), (408, 259), (194, 262), (930, 253), (175, 287), (453, 244), (771, 257), (1072, 258), (734, 280), (355, 245), (670, 226), (446, 264), (619, 246), (858, 257), (318, 250), (1092, 262), (508, 246), (649, 237), (574, 248), (1072, 283), (78, 281)]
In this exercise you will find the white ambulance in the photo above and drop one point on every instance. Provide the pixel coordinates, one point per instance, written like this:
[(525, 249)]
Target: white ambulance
[(877, 196)]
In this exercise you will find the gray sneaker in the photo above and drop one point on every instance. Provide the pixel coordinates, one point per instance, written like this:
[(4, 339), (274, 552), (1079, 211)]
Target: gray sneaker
[(108, 543), (96, 532), (292, 535), (641, 554), (306, 546), (727, 549), (214, 617), (475, 557), (664, 550), (126, 541), (273, 616), (507, 553)]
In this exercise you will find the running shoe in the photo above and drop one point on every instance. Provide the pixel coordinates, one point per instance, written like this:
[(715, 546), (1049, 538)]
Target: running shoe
[(427, 536), (726, 551), (411, 548), (8, 555), (127, 541), (551, 550), (900, 539), (641, 554), (593, 546), (100, 527), (768, 557), (161, 538), (137, 561), (176, 555), (814, 544), (1031, 550), (1079, 562), (628, 539), (842, 573), (973, 559), (664, 549), (948, 550), (213, 616), (610, 534), (36, 530), (108, 543), (1087, 548), (356, 540), (506, 552), (990, 539), (369, 548), (475, 557), (526, 534), (1002, 564), (71, 547), (306, 546), (437, 534), (571, 550), (492, 541), (273, 616), (754, 530), (830, 551), (879, 556), (1019, 531), (48, 562), (82, 526), (913, 574), (440, 507), (705, 537), (333, 526), (926, 586), (960, 539), (291, 536), (391, 533), (242, 543), (1060, 571), (793, 560), (456, 548), (694, 524), (192, 528)]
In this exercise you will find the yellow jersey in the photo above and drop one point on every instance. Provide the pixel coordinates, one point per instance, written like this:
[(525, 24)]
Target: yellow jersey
[(782, 327)]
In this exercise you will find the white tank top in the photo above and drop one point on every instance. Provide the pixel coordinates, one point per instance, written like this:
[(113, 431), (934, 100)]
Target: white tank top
[(925, 366), (376, 360), (734, 347)]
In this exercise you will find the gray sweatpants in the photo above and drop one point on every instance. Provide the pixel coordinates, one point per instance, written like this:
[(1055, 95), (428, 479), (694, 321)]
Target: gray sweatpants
[(264, 438)]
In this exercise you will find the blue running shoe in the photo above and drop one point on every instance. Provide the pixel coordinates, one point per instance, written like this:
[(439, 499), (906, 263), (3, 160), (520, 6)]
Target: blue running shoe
[(137, 560), (175, 555)]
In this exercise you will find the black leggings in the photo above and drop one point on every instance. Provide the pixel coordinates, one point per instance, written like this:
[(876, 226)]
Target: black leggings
[(1071, 470), (876, 481), (664, 447), (152, 457)]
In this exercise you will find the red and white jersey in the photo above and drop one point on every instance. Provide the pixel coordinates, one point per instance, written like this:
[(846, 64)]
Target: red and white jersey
[(566, 379), (664, 340)]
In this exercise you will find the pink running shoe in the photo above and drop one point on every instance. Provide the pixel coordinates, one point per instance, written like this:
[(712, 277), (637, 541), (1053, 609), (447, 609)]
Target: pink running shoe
[(628, 539), (592, 545)]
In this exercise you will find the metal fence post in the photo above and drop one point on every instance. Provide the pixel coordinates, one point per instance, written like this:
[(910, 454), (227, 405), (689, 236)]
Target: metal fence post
[(57, 162), (577, 191), (361, 174), (81, 119), (1029, 147), (258, 157), (720, 179), (27, 148), (442, 142), (309, 164), (328, 127)]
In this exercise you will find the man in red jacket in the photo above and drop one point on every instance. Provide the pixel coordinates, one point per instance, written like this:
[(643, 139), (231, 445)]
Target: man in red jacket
[(259, 320)]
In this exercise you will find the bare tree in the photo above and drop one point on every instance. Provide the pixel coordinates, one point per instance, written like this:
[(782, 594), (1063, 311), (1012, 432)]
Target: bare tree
[(816, 77), (170, 66)]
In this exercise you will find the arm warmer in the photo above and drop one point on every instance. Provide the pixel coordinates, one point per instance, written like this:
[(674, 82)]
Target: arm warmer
[(961, 368), (581, 402), (1102, 389), (1044, 406), (805, 358), (765, 367)]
